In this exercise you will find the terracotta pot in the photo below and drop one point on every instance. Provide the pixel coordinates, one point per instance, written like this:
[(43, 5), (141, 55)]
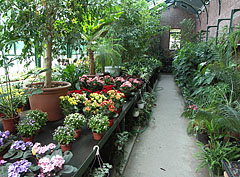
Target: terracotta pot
[(26, 139), (49, 101), (65, 147), (40, 130), (97, 136), (78, 132), (111, 122), (10, 124)]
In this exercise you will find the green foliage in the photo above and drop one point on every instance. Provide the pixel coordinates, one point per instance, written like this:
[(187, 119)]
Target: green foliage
[(71, 73), (38, 116), (213, 155), (75, 120), (28, 127), (102, 171), (98, 123), (135, 28), (64, 134)]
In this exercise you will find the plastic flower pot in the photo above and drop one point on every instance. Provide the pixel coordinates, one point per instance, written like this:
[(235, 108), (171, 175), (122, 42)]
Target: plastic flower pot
[(66, 147), (140, 105), (78, 132), (97, 136), (135, 113)]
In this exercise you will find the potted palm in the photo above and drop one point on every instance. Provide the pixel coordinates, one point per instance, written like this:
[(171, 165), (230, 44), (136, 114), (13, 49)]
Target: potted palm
[(75, 120), (64, 135), (99, 124)]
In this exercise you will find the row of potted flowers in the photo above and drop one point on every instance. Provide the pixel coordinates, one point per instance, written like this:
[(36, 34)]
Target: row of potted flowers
[(28, 159)]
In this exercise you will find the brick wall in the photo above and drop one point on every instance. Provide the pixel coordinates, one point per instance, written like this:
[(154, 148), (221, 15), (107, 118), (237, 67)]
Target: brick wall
[(172, 18), (213, 15)]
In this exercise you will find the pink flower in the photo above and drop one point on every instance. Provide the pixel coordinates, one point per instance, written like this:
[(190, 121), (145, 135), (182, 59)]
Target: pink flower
[(51, 146), (58, 161)]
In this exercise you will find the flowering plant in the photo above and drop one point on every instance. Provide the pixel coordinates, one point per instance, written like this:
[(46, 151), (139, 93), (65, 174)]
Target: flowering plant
[(40, 151), (75, 120), (117, 97), (108, 108), (109, 80), (18, 150), (28, 127), (19, 168), (10, 100), (106, 88), (94, 84), (68, 104), (98, 123), (127, 87), (135, 82), (93, 105), (119, 81), (38, 116), (56, 164), (5, 140), (64, 134)]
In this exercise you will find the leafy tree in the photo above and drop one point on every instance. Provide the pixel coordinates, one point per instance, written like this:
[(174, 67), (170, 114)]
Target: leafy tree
[(43, 25)]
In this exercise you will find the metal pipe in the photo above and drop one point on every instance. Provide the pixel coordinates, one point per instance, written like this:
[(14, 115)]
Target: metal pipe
[(219, 21), (231, 21), (208, 27)]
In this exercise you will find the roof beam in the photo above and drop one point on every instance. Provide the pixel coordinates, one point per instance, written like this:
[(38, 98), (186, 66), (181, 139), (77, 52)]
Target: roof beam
[(191, 7), (219, 21)]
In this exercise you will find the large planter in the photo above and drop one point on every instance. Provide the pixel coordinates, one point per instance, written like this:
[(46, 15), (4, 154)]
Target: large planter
[(49, 101), (10, 124)]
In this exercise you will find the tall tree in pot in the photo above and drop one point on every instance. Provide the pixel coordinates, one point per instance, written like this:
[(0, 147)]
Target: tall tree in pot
[(46, 26)]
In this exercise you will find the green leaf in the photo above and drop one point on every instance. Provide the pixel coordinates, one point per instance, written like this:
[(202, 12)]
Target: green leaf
[(68, 169), (10, 153), (67, 156), (27, 154), (18, 155)]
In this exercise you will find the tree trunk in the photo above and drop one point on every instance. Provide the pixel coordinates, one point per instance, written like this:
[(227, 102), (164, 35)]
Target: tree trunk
[(92, 63), (48, 65)]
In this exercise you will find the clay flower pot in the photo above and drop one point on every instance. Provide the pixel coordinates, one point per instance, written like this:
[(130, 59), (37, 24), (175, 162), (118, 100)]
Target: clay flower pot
[(111, 122), (48, 101), (10, 124), (65, 147), (26, 139), (97, 136), (78, 132)]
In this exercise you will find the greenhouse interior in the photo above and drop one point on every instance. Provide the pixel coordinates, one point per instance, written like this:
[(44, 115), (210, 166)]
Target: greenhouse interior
[(120, 88)]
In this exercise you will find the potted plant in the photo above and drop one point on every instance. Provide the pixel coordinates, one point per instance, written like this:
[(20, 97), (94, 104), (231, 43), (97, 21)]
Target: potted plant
[(64, 135), (18, 150), (75, 120), (45, 31), (99, 124), (28, 128), (5, 142), (55, 164), (38, 116), (141, 104), (136, 112), (127, 88)]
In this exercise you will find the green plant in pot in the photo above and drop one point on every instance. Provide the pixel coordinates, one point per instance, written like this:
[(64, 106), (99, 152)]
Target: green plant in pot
[(99, 124), (28, 128), (75, 120), (38, 116), (64, 135)]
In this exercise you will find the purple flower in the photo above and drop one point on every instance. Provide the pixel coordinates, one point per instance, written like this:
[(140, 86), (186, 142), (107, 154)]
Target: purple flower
[(18, 167)]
